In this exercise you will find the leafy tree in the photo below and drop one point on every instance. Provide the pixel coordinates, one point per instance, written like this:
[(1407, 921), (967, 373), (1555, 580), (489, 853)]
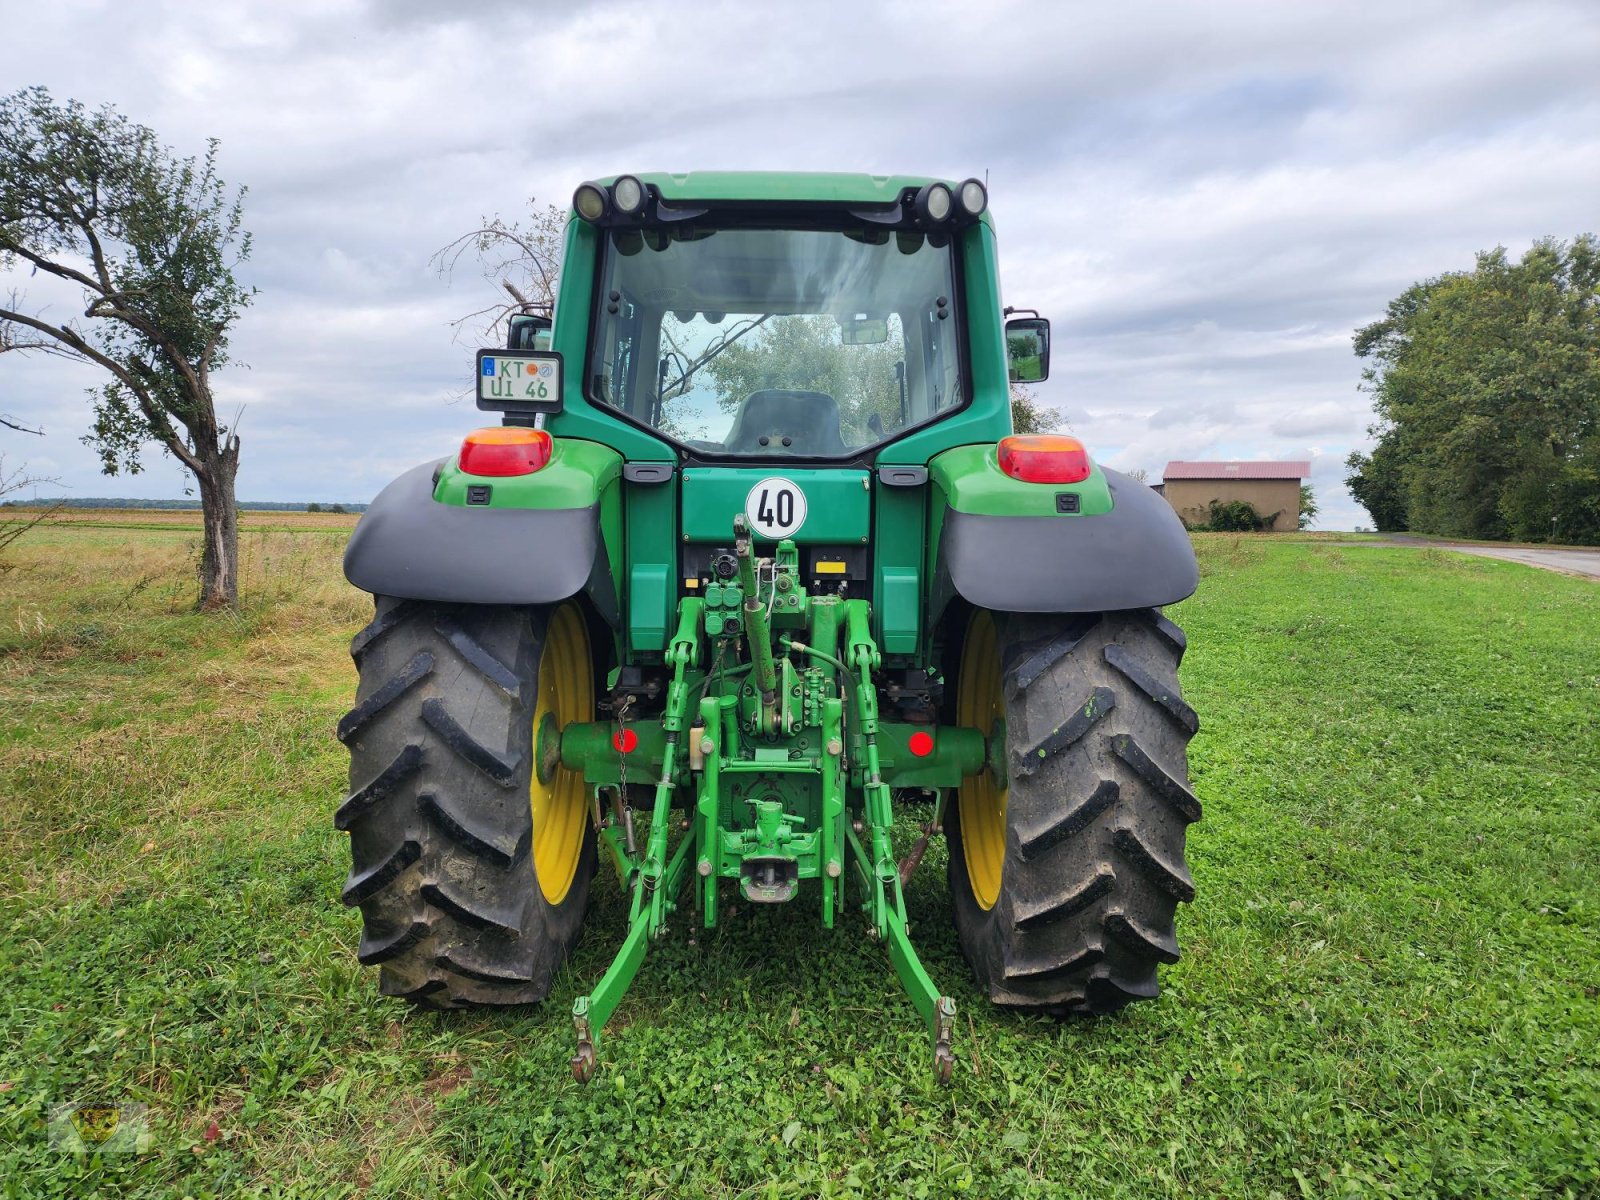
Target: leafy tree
[(806, 352), (152, 241), (1028, 415), (313, 507), (1308, 506), (1487, 389), (1374, 481)]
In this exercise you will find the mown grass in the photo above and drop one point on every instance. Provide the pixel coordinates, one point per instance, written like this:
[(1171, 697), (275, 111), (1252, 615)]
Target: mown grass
[(1389, 986)]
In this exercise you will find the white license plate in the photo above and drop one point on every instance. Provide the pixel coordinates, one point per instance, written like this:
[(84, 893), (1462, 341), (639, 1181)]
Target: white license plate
[(506, 377)]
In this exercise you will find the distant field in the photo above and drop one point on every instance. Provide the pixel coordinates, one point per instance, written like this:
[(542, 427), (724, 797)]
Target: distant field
[(172, 518), (1390, 983)]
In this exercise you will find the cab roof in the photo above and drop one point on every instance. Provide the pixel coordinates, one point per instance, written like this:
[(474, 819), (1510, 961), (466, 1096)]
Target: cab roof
[(838, 187)]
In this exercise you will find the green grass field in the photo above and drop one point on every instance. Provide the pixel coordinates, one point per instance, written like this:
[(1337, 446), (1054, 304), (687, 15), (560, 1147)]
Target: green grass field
[(1390, 983)]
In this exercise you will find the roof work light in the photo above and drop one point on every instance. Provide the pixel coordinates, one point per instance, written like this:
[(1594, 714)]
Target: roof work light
[(934, 203), (628, 194), (590, 202), (626, 197)]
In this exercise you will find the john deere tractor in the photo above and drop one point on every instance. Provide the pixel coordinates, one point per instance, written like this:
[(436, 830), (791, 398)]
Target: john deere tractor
[(752, 561)]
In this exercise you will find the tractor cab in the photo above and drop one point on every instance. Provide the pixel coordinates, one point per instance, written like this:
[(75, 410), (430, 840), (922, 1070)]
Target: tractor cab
[(753, 325), (746, 343)]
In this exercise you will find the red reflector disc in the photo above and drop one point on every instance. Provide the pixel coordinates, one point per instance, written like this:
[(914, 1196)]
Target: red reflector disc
[(922, 744), (626, 741)]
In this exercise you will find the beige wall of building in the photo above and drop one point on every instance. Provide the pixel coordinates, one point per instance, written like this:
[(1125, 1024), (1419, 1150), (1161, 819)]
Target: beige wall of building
[(1191, 498)]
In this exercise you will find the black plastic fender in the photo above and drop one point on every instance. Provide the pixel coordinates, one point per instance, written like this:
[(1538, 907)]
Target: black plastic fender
[(409, 545), (1138, 555)]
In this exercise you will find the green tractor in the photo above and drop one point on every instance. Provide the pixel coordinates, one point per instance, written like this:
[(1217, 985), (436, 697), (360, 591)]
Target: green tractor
[(754, 559)]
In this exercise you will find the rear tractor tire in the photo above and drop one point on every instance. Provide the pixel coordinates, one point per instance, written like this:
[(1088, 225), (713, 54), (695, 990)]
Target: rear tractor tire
[(1066, 872), (471, 863)]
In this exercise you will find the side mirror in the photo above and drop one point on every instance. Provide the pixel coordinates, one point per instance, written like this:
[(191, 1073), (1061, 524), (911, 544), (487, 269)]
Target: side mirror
[(1028, 349), (525, 382), (529, 331)]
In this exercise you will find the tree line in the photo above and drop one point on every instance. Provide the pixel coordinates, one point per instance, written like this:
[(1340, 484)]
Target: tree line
[(121, 502), (1486, 386)]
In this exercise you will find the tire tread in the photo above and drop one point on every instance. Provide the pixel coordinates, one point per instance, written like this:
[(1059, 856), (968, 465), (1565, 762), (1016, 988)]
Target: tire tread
[(1097, 812), (439, 821), (413, 673), (499, 767)]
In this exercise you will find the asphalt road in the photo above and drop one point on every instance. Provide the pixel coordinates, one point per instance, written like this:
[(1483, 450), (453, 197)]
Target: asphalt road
[(1570, 562)]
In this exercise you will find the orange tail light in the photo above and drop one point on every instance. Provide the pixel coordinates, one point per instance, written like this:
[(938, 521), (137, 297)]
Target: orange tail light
[(1044, 458), (504, 450)]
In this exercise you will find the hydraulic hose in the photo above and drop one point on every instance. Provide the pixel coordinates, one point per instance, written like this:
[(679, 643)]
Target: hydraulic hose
[(757, 629)]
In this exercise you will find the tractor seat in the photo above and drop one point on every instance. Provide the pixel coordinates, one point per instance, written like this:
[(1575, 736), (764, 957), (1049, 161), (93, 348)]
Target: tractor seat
[(810, 420)]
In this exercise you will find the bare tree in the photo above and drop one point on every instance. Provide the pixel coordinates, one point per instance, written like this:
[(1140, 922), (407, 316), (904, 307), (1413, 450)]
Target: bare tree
[(151, 240), (12, 423), (523, 260), (17, 522)]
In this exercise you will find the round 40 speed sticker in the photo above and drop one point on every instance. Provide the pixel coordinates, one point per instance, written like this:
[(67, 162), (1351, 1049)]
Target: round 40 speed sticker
[(775, 508)]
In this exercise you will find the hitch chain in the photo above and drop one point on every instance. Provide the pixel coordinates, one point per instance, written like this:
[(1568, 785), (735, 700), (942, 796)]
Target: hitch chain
[(623, 808), (913, 860)]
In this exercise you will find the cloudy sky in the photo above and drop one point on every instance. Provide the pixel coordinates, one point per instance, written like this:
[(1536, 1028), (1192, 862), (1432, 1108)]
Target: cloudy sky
[(1206, 199)]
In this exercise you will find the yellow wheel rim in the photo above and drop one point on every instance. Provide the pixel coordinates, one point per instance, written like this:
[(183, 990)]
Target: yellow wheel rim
[(980, 705), (566, 694)]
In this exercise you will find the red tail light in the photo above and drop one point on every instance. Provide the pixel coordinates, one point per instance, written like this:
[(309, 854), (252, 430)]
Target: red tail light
[(1044, 458), (505, 450)]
